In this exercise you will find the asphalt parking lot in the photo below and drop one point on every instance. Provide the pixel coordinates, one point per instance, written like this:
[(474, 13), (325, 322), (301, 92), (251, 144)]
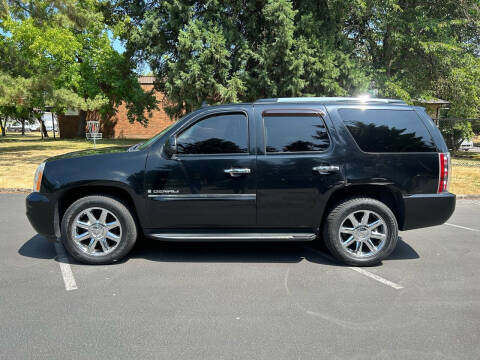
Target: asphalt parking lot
[(241, 301)]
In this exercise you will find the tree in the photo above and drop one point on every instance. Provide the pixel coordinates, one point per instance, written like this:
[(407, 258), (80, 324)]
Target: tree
[(413, 46), (455, 132), (12, 93), (64, 50), (218, 51), (224, 51), (461, 86)]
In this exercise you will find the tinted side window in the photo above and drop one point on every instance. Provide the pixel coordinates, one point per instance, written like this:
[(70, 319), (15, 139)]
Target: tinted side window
[(295, 133), (388, 130), (216, 134)]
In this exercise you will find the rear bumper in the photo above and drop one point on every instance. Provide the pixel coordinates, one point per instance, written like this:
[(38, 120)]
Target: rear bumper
[(426, 210), (42, 214)]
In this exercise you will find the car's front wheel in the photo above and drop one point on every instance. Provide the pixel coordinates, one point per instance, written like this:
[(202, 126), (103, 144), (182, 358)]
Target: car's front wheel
[(361, 231), (98, 230)]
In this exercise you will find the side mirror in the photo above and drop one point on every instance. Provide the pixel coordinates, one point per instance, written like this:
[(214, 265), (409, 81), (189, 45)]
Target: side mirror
[(171, 145)]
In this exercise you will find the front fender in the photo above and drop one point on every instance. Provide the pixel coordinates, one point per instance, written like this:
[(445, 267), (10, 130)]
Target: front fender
[(124, 171)]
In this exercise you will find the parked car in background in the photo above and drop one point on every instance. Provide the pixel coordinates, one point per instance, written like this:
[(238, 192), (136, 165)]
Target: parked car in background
[(466, 145), (16, 126), (35, 126), (349, 171)]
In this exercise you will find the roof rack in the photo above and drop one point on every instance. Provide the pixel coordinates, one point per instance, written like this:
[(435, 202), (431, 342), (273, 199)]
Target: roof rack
[(362, 100)]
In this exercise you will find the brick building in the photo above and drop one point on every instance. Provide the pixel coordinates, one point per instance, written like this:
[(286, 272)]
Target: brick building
[(118, 125)]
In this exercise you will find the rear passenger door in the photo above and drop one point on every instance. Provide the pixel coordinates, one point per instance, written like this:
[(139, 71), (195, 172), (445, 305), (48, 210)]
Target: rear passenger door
[(298, 166)]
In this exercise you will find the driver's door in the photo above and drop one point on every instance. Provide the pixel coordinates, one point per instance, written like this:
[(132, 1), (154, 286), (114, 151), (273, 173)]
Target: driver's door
[(209, 180)]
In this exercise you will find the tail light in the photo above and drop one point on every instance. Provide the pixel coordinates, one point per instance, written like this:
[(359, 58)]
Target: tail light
[(443, 169)]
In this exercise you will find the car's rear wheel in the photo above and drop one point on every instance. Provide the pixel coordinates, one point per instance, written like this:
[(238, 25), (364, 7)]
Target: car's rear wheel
[(98, 230), (361, 231)]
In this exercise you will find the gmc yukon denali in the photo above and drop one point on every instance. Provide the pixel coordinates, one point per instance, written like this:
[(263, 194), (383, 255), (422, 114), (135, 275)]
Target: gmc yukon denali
[(348, 171)]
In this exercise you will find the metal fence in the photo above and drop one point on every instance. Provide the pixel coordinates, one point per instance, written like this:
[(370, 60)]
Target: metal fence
[(465, 163)]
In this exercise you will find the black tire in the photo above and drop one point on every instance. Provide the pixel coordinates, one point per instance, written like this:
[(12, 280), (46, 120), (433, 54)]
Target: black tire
[(114, 206), (339, 214)]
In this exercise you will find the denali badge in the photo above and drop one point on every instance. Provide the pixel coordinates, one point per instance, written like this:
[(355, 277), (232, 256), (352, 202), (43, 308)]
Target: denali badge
[(163, 191)]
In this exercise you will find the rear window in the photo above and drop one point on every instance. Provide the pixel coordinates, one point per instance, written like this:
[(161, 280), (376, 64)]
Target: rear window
[(388, 130)]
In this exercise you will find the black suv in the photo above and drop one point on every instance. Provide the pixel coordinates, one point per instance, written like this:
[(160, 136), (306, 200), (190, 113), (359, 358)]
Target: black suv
[(350, 171)]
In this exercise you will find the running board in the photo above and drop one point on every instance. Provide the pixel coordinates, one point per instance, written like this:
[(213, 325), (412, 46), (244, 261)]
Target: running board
[(234, 236)]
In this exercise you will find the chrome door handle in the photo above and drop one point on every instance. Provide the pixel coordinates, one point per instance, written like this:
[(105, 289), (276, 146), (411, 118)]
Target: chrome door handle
[(326, 169), (236, 172)]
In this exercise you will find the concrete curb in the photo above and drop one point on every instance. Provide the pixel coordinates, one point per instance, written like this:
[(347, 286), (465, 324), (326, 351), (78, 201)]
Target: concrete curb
[(15, 191), (28, 191), (468, 197)]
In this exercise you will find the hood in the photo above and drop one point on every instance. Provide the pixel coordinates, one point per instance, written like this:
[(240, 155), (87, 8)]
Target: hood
[(89, 152)]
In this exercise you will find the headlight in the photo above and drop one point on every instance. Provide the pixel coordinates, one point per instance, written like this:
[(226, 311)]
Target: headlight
[(37, 180)]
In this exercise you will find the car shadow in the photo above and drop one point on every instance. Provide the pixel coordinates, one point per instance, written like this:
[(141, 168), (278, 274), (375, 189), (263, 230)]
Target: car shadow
[(38, 247), (221, 252), (403, 251)]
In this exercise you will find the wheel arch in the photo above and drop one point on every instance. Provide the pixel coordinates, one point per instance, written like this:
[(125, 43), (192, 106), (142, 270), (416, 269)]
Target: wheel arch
[(384, 193), (71, 195)]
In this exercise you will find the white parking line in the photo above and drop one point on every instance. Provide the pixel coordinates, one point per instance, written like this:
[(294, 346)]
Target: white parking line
[(461, 227), (67, 274), (361, 271), (376, 277)]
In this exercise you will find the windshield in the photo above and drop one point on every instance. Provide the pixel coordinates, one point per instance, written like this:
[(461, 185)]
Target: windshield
[(149, 142)]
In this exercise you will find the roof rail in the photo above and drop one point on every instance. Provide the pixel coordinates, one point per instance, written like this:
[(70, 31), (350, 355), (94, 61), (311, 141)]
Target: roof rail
[(363, 100)]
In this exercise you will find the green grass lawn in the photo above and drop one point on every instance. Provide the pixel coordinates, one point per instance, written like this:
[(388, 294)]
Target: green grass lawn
[(20, 155), (465, 175)]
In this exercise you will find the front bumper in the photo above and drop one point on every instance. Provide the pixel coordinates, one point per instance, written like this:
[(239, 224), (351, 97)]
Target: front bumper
[(425, 210), (42, 214)]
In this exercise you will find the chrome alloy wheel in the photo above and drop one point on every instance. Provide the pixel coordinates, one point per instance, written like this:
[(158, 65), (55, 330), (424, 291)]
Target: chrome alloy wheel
[(96, 231), (363, 233)]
